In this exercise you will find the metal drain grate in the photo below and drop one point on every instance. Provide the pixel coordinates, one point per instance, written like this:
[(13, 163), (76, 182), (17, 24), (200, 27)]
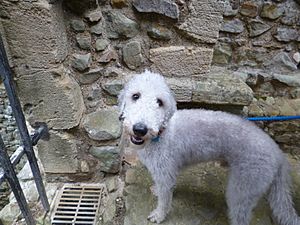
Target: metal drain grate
[(77, 204)]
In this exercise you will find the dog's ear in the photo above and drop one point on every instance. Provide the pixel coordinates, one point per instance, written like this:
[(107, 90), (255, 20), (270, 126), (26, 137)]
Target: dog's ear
[(173, 104), (121, 104), (172, 107)]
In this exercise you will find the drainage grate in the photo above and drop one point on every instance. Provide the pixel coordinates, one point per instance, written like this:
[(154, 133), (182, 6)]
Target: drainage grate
[(77, 204)]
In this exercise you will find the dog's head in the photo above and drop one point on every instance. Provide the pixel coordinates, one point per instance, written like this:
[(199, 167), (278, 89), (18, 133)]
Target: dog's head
[(146, 104)]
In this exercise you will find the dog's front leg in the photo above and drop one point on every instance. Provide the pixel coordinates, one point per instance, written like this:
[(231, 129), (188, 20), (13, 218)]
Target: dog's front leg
[(164, 198)]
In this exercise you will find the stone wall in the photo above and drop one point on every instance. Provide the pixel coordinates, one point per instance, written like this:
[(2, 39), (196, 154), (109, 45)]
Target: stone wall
[(71, 58), (260, 42), (10, 136), (8, 128)]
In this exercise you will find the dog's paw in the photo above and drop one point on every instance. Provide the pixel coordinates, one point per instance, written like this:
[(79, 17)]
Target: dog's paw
[(156, 216)]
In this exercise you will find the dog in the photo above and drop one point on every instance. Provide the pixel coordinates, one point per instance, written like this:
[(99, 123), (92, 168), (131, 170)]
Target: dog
[(171, 139)]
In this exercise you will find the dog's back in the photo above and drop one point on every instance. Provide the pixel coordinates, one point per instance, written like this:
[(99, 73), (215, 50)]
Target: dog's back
[(209, 135)]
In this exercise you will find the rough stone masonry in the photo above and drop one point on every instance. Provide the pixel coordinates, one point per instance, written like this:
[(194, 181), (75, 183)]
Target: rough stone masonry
[(71, 58)]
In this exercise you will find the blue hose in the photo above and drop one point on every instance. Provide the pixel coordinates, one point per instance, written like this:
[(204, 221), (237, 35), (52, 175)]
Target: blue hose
[(273, 118)]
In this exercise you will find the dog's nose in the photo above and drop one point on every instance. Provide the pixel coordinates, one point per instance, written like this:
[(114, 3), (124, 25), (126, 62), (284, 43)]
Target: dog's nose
[(140, 129)]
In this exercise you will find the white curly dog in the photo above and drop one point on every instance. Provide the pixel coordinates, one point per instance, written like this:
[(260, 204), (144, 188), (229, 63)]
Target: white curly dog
[(171, 139)]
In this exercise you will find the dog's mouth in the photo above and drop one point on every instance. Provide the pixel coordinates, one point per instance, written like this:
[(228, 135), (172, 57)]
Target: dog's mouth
[(136, 140)]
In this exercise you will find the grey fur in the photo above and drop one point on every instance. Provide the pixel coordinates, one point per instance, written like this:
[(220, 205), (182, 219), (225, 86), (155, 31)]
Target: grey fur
[(257, 165)]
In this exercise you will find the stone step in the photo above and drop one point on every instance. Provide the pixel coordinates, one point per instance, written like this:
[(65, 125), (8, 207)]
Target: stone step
[(199, 197)]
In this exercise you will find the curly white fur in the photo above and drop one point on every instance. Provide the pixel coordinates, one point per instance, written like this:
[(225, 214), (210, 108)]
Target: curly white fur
[(192, 136)]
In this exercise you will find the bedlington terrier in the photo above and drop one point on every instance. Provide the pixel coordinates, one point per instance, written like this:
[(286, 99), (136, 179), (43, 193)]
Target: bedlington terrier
[(170, 139)]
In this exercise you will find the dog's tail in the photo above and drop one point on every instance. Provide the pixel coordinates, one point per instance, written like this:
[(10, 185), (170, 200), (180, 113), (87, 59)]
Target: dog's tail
[(280, 198)]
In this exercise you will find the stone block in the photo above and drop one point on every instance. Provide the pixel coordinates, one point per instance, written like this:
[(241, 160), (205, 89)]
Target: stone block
[(91, 76), (251, 56), (109, 157), (229, 9), (271, 11), (113, 87), (159, 32), (103, 125), (204, 21), (181, 61), (287, 107), (51, 96), (77, 25), (287, 34), (291, 13), (234, 26), (222, 53), (249, 9), (263, 108), (35, 34), (111, 100), (101, 44), (182, 88), (281, 62), (59, 153), (119, 26), (81, 62), (292, 80), (257, 27), (132, 54), (163, 7), (221, 87), (84, 41), (9, 214)]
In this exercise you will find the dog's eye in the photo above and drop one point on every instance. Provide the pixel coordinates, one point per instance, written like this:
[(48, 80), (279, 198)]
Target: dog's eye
[(159, 102), (136, 96)]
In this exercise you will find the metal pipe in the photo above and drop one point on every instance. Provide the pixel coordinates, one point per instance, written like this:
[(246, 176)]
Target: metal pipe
[(274, 118)]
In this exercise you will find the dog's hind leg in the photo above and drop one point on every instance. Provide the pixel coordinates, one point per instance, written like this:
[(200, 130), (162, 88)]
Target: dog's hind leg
[(280, 198), (245, 188)]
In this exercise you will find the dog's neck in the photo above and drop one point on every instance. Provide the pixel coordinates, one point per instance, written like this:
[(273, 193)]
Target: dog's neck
[(157, 138), (161, 130)]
